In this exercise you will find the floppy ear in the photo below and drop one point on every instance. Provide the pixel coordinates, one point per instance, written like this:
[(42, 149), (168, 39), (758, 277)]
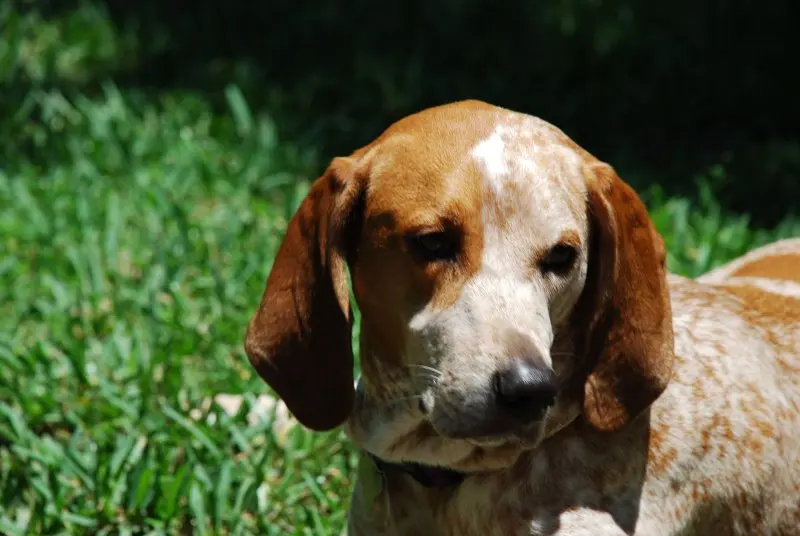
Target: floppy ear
[(631, 338), (299, 340)]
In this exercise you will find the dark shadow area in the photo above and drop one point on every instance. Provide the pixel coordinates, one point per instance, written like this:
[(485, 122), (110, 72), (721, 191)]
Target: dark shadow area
[(664, 91)]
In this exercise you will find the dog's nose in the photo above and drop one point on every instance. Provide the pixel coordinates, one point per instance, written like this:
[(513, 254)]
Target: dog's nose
[(525, 389)]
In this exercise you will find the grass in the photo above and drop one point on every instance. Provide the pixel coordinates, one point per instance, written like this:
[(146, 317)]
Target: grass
[(128, 275), (130, 262)]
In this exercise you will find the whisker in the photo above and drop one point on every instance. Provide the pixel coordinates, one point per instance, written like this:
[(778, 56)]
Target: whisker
[(428, 375), (425, 367)]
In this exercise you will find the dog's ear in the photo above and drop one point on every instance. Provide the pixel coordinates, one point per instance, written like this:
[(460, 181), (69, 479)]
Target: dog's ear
[(631, 338), (299, 340)]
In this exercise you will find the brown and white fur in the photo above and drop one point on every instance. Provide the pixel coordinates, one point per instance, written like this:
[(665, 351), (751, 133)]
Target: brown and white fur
[(479, 239)]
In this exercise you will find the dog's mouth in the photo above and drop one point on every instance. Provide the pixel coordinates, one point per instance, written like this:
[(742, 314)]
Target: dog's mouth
[(426, 475), (489, 429), (524, 438), (434, 476)]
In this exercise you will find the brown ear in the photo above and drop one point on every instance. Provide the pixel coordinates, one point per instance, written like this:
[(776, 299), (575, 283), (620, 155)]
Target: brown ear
[(631, 338), (299, 340)]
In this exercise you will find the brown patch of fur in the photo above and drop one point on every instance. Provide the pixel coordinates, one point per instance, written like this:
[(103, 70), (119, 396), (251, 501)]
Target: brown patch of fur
[(766, 429), (661, 460), (699, 388), (417, 183), (766, 306), (785, 267), (752, 444), (630, 327), (304, 312), (787, 367), (657, 436), (701, 491)]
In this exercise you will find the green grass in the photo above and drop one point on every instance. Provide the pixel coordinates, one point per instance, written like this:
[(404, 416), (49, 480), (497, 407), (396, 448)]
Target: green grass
[(130, 262), (129, 271)]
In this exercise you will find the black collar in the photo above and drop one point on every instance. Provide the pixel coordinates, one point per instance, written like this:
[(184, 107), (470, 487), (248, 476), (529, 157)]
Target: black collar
[(426, 475)]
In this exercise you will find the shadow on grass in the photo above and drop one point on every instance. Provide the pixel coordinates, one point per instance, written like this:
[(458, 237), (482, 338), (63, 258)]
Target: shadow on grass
[(665, 93)]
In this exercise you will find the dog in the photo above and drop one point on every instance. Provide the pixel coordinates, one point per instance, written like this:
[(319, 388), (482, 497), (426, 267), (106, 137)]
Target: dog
[(528, 365)]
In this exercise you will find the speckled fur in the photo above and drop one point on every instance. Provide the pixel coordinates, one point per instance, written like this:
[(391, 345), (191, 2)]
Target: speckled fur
[(718, 452), (678, 404)]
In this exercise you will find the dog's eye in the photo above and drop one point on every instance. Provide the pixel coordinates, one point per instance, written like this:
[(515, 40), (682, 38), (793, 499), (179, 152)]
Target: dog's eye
[(435, 246), (559, 259)]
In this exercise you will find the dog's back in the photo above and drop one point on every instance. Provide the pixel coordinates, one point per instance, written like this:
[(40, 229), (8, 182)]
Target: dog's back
[(738, 384)]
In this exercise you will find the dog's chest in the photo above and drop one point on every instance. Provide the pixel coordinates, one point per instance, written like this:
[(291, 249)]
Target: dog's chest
[(527, 499), (501, 508)]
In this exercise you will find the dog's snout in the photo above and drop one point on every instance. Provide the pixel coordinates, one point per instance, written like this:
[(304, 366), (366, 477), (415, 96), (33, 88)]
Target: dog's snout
[(525, 389)]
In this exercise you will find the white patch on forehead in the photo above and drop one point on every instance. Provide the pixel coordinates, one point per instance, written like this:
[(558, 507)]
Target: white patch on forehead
[(537, 186), (490, 153), (528, 171)]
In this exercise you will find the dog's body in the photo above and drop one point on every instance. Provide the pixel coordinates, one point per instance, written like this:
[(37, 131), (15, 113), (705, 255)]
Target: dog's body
[(519, 327), (718, 453)]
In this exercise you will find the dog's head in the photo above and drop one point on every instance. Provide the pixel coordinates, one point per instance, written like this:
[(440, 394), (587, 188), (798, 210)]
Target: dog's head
[(503, 275)]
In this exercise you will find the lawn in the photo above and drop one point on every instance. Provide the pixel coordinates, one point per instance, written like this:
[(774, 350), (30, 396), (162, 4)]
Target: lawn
[(135, 237), (129, 271)]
